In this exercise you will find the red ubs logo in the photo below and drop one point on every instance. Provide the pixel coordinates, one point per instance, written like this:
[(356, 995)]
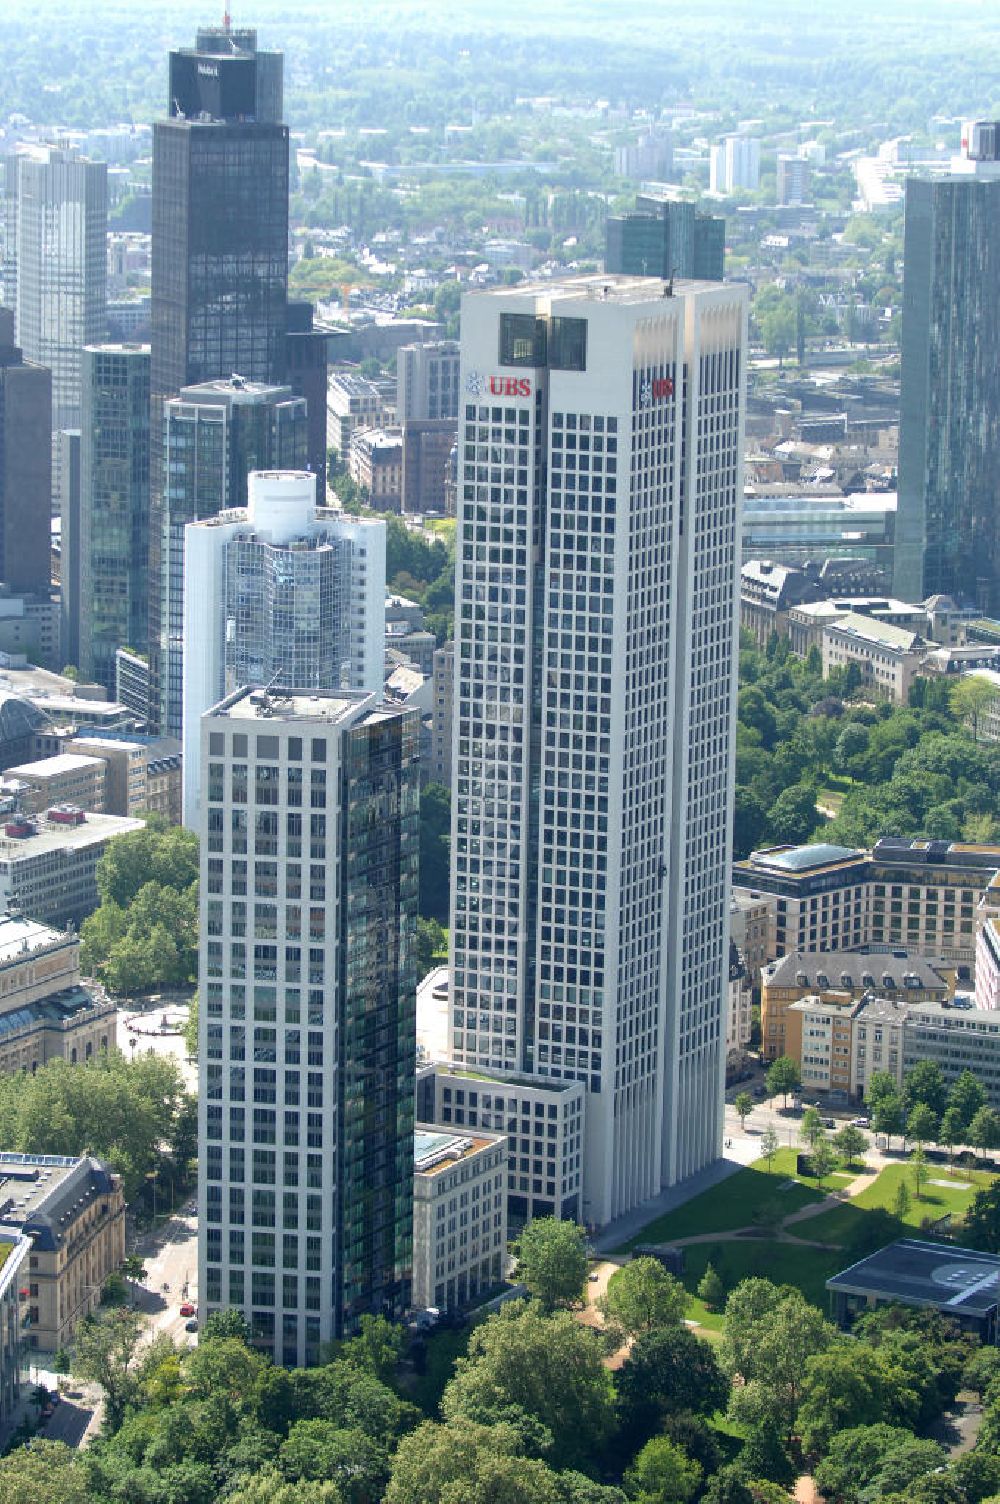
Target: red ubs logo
[(662, 387), (510, 386)]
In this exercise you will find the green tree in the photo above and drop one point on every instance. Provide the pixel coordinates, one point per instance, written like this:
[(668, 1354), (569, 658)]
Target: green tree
[(769, 1144), (822, 1159), (972, 703), (951, 1131), (727, 1487), (711, 1290), (918, 1166), (191, 1029), (984, 1130), (227, 1323), (858, 1457), (432, 945), (851, 1144), (793, 816), (743, 1103), (318, 1449), (762, 1457), (811, 1130), (548, 1367), (269, 1487), (166, 855), (47, 1472), (107, 1352), (965, 1098), (982, 1220), (922, 1125), (663, 1473), (435, 832), (670, 1371), (770, 1332), (643, 1296), (552, 1262), (887, 1116), (924, 1085), (901, 1204), (783, 1075)]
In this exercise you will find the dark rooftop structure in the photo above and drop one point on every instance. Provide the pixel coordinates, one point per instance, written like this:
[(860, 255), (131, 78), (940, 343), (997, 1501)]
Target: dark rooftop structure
[(959, 1282), (892, 971)]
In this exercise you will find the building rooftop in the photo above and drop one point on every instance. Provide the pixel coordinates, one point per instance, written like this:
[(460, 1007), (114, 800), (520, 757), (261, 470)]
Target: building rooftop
[(19, 937), (44, 1194), (50, 836), (601, 287), (276, 705), (872, 629), (956, 1281), (850, 971), (936, 853), (55, 767), (948, 1016), (803, 858), (437, 1149)]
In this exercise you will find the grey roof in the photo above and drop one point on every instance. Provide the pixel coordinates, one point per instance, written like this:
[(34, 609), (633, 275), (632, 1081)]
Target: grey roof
[(43, 1195), (804, 858), (853, 970), (956, 1281)]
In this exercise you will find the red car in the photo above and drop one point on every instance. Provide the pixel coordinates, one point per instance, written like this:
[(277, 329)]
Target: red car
[(187, 1309)]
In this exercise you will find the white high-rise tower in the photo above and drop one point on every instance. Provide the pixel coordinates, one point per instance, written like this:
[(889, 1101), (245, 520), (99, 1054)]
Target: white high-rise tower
[(280, 593), (600, 444)]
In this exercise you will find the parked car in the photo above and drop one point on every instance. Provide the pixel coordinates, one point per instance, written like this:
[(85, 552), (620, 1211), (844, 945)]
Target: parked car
[(829, 1122), (861, 1122), (188, 1309), (192, 1325)]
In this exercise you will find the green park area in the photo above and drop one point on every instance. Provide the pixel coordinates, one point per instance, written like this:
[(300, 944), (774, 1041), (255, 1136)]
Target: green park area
[(765, 1221)]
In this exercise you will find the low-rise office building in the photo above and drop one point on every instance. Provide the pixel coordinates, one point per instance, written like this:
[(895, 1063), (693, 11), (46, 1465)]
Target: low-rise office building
[(72, 1212), (888, 657), (459, 1215), (66, 778), (48, 863), (375, 462), (988, 963), (962, 1283), (913, 894), (543, 1121), (352, 402), (956, 1040)]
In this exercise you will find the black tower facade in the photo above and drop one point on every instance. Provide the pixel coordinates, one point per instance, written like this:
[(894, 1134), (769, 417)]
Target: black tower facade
[(219, 303)]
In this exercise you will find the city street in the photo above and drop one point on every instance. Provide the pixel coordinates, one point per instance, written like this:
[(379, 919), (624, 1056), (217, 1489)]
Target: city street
[(171, 1259)]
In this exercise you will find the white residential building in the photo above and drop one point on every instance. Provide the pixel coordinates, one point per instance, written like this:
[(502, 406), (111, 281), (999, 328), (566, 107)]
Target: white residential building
[(309, 837), (735, 164), (278, 592), (600, 452)]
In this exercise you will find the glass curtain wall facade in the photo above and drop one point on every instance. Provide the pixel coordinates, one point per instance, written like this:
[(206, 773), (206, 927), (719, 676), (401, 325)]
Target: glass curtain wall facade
[(288, 605), (114, 507), (948, 518), (214, 435), (307, 969)]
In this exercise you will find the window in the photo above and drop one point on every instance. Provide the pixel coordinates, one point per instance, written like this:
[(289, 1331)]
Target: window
[(522, 340), (568, 345)]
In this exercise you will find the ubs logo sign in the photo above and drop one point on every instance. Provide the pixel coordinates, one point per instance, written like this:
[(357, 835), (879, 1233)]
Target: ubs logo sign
[(656, 389), (477, 385)]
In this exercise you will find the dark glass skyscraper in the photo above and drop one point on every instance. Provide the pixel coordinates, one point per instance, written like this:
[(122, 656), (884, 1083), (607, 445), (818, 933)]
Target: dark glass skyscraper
[(666, 238), (25, 467), (220, 245), (113, 540), (948, 519)]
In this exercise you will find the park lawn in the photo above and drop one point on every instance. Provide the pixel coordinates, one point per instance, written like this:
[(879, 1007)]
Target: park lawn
[(843, 1223), (732, 1203), (807, 1269)]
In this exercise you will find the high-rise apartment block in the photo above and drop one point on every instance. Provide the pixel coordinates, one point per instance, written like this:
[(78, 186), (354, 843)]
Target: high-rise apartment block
[(309, 836), (113, 536), (219, 285), (25, 467), (666, 238), (427, 380), (214, 434), (596, 616), (278, 592), (792, 182), (735, 164), (947, 527), (62, 269)]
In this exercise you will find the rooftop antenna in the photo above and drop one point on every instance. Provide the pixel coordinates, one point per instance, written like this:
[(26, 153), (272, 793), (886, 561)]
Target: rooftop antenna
[(668, 290), (226, 20)]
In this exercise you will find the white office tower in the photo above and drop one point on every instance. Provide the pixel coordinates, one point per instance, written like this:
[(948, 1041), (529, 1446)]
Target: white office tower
[(734, 164), (61, 267), (595, 659), (307, 1042), (278, 593)]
